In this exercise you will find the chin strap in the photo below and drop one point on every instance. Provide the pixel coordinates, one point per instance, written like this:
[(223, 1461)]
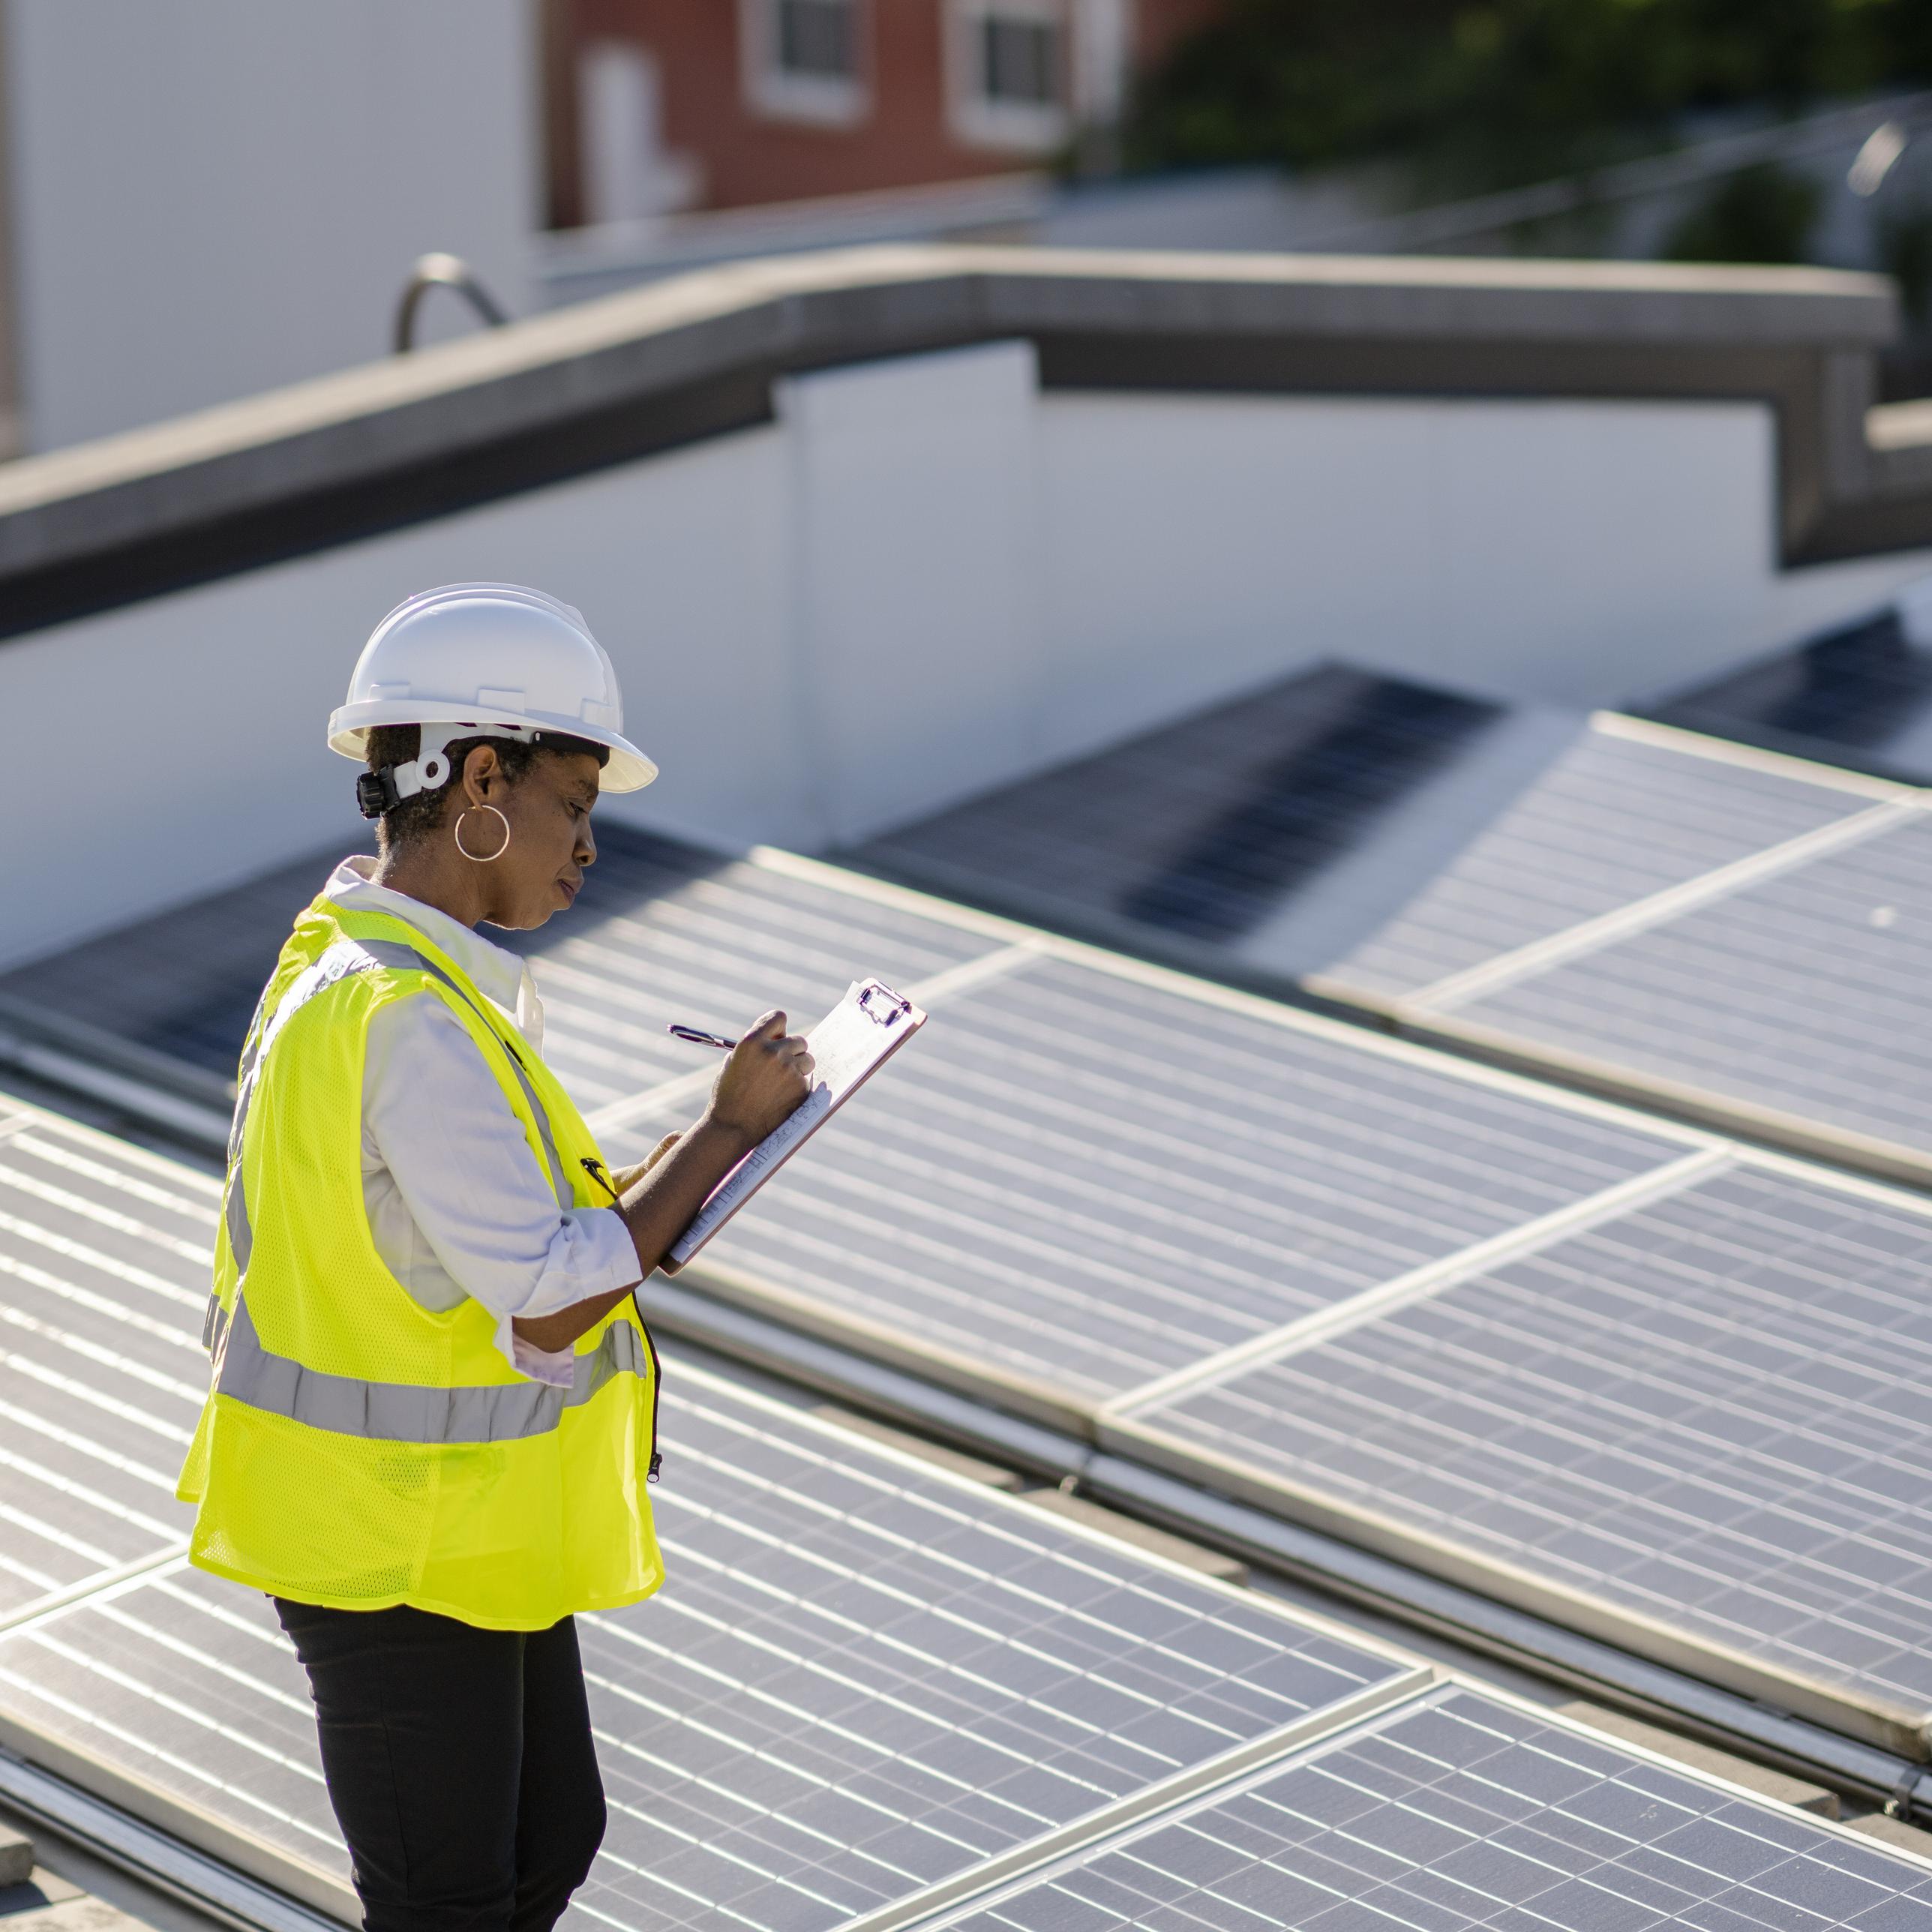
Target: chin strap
[(380, 791)]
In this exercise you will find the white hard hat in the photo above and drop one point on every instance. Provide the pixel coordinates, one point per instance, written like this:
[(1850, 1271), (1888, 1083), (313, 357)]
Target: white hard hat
[(485, 660)]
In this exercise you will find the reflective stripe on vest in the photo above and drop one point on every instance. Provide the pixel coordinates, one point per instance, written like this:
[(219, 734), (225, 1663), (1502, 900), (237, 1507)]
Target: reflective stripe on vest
[(247, 1372), (345, 957)]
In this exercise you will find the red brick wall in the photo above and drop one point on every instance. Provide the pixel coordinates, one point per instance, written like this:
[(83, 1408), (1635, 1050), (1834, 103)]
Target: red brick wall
[(1159, 24), (749, 157)]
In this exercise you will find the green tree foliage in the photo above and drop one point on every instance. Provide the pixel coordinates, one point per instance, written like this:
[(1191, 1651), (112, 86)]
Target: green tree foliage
[(1503, 92), (1905, 250), (1764, 214)]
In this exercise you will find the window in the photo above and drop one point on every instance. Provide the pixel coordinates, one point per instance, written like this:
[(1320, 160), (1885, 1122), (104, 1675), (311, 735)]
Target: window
[(818, 37), (1008, 73), (805, 59), (1019, 60)]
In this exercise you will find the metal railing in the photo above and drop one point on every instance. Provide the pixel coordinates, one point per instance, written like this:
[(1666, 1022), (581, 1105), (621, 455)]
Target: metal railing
[(438, 270)]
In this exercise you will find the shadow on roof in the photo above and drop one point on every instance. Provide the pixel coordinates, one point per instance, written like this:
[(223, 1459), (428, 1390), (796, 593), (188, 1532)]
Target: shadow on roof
[(1860, 697)]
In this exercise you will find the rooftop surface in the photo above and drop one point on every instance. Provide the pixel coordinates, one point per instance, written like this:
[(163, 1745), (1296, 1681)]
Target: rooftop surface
[(1619, 1388)]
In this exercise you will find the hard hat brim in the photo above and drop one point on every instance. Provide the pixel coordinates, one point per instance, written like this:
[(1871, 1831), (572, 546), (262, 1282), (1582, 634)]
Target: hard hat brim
[(628, 768)]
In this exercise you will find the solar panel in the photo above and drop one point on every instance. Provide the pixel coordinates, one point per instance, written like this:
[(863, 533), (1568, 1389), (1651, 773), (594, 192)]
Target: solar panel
[(103, 1274), (863, 1679), (1080, 1180), (1860, 696), (1625, 815), (1461, 1811), (674, 935), (1378, 834), (1701, 1427), (1802, 996)]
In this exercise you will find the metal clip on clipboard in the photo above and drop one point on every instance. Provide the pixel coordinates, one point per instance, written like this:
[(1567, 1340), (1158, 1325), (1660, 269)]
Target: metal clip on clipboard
[(848, 1046), (883, 1007)]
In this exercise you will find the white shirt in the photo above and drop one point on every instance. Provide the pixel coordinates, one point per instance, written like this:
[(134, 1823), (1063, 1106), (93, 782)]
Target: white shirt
[(458, 1204)]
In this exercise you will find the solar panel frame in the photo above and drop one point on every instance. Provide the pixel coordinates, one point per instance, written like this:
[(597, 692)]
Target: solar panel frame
[(967, 951), (1620, 963), (1466, 1806), (1135, 1428)]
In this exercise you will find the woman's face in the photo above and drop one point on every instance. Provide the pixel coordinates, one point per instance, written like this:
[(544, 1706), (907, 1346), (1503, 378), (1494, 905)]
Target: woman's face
[(548, 810)]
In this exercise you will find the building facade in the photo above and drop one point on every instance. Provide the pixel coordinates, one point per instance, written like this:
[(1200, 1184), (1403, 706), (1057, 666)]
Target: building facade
[(663, 106)]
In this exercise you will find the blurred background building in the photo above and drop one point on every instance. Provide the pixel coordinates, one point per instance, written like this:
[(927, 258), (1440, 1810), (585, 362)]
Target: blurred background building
[(661, 106), (569, 148)]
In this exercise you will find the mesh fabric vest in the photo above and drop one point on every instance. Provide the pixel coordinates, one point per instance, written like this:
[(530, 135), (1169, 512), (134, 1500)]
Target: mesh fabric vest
[(360, 1449)]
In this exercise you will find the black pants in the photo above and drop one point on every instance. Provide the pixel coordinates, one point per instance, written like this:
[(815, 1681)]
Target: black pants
[(460, 1763)]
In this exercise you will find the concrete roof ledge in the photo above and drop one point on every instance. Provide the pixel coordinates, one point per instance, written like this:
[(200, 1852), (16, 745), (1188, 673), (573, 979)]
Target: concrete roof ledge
[(1900, 436), (609, 379)]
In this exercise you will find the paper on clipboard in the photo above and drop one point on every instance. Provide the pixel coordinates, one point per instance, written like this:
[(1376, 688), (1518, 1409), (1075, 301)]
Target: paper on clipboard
[(852, 1041)]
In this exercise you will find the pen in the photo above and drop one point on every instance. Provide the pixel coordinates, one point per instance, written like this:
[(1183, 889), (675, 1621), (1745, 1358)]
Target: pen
[(698, 1036)]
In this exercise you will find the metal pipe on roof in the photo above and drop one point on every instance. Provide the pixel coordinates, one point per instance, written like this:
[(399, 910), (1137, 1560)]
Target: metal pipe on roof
[(156, 1858)]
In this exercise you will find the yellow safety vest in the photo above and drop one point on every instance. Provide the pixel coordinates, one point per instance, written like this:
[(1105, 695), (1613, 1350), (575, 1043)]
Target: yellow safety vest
[(358, 1449)]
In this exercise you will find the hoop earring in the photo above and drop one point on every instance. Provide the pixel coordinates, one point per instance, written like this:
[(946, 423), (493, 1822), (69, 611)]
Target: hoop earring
[(483, 858)]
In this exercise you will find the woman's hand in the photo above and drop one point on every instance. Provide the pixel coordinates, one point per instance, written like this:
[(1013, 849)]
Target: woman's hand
[(625, 1178), (759, 1086), (768, 1073)]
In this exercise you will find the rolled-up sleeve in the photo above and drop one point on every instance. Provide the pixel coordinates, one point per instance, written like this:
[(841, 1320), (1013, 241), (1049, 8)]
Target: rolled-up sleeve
[(458, 1202)]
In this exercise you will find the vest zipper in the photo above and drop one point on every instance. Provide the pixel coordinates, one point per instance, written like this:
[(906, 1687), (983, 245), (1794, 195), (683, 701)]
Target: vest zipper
[(594, 1169), (657, 1385)]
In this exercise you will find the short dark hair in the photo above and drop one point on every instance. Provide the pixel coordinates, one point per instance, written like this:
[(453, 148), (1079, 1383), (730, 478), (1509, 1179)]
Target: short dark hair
[(415, 818)]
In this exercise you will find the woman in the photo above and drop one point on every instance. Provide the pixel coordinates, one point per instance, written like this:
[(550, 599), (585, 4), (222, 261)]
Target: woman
[(434, 1406)]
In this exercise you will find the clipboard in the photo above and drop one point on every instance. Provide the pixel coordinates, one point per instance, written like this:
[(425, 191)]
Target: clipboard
[(848, 1046)]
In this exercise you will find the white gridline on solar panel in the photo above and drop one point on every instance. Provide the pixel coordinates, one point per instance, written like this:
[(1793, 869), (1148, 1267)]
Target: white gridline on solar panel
[(1438, 938), (198, 1734), (1464, 1808), (105, 1391), (1038, 1623), (1885, 1532), (1814, 1022)]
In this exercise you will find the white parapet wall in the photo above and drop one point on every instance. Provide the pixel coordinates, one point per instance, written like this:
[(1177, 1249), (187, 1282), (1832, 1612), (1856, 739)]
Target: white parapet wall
[(209, 198), (926, 578)]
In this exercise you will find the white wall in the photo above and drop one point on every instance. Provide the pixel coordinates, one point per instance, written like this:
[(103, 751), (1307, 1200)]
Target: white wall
[(924, 579), (214, 197), (1583, 553), (916, 593)]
